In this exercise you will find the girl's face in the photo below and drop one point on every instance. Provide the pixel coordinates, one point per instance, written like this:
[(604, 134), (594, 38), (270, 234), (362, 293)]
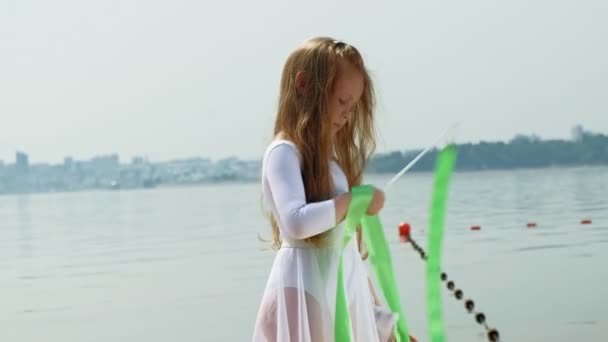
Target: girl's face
[(346, 92)]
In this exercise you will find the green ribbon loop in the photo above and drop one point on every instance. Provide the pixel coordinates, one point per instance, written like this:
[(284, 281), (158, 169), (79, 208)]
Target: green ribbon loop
[(361, 198), (380, 260), (443, 171)]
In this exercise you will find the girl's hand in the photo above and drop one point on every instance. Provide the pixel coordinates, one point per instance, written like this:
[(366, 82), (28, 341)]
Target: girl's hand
[(377, 202), (343, 201)]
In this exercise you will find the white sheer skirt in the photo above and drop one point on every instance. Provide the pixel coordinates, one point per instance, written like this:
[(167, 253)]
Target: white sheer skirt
[(298, 304)]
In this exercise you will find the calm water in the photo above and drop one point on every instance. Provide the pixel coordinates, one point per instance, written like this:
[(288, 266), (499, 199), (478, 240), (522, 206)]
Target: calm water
[(183, 264)]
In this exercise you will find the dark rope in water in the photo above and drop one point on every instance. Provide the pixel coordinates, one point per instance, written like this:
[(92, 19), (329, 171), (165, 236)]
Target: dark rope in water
[(469, 304)]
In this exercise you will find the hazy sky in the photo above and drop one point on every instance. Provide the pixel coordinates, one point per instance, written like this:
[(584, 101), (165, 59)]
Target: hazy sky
[(171, 79)]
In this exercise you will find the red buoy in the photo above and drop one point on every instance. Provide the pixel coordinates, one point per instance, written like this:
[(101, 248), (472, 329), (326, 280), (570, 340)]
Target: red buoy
[(475, 227), (404, 231), (531, 225), (586, 221)]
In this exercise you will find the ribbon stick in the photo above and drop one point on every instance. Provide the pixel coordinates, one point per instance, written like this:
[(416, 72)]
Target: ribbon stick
[(415, 160), (443, 171)]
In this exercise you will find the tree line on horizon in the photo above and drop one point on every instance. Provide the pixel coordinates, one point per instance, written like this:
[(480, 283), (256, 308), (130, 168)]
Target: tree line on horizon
[(520, 152)]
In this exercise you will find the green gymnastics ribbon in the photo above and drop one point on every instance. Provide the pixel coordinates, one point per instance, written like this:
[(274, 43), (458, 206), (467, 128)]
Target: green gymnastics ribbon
[(443, 171), (380, 260)]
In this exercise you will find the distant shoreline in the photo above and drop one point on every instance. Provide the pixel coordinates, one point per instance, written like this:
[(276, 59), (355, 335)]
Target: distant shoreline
[(249, 182), (107, 173), (550, 167), (522, 152)]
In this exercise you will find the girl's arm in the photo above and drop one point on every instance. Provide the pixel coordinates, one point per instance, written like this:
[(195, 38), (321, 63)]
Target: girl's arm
[(298, 219)]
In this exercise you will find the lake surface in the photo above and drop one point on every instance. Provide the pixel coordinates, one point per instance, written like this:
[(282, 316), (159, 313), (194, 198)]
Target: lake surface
[(184, 264)]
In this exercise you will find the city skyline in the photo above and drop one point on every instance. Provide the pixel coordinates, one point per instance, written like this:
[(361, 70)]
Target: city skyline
[(106, 172), (575, 130)]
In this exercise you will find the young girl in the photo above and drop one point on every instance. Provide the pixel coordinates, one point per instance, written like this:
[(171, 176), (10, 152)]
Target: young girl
[(324, 134)]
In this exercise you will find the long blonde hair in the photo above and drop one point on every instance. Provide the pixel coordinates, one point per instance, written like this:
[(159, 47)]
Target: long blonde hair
[(302, 118)]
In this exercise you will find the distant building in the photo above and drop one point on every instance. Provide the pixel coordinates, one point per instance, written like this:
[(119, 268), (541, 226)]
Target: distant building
[(139, 160), (577, 133), (68, 164), (22, 162), (105, 163)]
